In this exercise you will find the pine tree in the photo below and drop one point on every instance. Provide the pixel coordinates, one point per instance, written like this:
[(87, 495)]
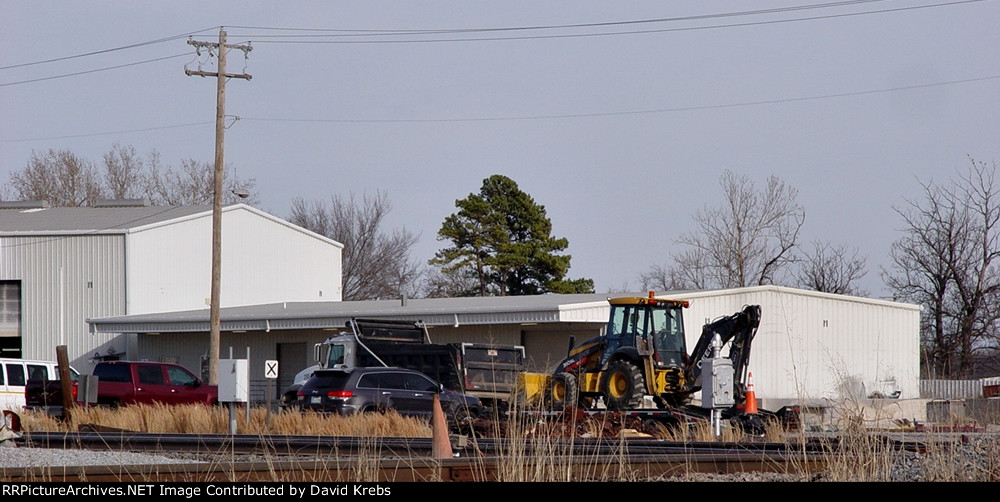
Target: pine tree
[(503, 237)]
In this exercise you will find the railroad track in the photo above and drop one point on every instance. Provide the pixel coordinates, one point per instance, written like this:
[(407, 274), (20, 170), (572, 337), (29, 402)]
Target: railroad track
[(588, 468), (292, 458), (300, 445), (311, 445)]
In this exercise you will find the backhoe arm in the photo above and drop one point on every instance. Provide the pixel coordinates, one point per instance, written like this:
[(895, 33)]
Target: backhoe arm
[(738, 331)]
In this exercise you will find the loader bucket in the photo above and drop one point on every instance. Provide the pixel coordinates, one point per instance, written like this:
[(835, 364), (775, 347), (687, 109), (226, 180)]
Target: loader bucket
[(532, 387)]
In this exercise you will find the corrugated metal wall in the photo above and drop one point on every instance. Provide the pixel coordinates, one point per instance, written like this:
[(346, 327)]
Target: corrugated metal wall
[(954, 389), (157, 269), (812, 346), (65, 280)]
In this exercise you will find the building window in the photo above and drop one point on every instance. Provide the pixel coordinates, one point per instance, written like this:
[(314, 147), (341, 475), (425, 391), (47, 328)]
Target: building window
[(10, 318)]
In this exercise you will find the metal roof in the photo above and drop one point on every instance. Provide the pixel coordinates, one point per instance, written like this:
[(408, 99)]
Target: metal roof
[(90, 220), (548, 308), (322, 315)]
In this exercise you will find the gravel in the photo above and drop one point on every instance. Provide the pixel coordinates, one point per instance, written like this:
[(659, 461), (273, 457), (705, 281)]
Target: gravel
[(973, 459), (14, 457)]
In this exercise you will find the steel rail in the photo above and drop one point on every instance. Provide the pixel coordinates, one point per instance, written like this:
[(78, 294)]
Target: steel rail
[(393, 446), (295, 458), (559, 468)]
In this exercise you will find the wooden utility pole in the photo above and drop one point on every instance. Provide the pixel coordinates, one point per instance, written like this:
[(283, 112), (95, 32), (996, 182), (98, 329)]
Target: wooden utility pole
[(62, 359), (220, 129)]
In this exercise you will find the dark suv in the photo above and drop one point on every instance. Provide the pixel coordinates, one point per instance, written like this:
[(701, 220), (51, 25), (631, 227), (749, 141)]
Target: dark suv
[(359, 390)]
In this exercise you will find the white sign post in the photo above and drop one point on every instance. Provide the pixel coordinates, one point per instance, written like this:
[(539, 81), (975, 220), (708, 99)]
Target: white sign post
[(270, 373), (271, 369)]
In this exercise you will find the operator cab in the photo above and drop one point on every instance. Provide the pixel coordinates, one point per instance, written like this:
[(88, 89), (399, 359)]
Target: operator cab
[(653, 323)]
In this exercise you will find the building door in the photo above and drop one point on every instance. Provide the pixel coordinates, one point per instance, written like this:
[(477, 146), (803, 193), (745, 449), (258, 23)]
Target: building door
[(292, 358), (10, 319), (546, 348)]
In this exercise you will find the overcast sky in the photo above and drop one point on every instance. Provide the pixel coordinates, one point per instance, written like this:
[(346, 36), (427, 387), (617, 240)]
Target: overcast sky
[(618, 117)]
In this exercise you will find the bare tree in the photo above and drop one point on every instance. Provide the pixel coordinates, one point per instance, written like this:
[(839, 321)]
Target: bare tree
[(376, 264), (194, 183), (124, 173), (64, 179), (440, 283), (833, 269), (663, 278), (690, 270), (59, 177), (947, 261), (746, 241)]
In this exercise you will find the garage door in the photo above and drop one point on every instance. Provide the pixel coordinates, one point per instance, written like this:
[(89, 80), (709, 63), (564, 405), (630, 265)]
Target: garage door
[(545, 349)]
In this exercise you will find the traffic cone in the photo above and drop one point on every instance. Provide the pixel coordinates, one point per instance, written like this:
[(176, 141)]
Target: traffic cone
[(751, 406), (441, 446)]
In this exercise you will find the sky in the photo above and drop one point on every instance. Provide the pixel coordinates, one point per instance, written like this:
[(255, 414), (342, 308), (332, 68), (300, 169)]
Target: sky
[(618, 117)]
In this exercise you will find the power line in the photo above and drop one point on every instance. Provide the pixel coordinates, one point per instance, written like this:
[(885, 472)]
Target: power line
[(634, 112), (105, 51), (94, 70), (532, 117), (356, 32), (341, 33), (130, 131), (382, 32)]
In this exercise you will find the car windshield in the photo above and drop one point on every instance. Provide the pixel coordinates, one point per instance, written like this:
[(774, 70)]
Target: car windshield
[(336, 355), (73, 375)]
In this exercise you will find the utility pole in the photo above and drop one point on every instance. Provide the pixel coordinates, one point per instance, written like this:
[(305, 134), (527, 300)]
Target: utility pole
[(220, 129)]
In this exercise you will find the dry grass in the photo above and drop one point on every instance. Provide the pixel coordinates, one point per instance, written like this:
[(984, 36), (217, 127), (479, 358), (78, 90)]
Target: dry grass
[(215, 420), (536, 451), (541, 451)]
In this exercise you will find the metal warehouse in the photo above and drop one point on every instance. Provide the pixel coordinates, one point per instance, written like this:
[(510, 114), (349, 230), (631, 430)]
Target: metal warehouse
[(62, 265), (810, 347)]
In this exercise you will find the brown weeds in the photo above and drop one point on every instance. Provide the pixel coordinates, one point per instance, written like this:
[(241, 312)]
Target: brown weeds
[(204, 419), (536, 450)]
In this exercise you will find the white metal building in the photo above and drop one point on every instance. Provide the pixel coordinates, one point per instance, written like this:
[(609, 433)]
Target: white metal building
[(815, 346), (810, 346), (62, 265)]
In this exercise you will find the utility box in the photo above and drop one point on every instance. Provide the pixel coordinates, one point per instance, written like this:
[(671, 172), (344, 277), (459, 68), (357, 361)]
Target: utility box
[(234, 381), (717, 383), (87, 389)]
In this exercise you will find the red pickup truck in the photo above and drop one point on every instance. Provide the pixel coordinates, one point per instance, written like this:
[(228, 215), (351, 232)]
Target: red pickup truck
[(122, 383)]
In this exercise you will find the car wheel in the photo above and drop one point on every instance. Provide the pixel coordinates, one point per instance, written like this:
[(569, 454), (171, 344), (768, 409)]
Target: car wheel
[(114, 404)]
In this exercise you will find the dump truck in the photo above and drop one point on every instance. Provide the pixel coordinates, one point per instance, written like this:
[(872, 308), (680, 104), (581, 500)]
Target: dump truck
[(485, 370)]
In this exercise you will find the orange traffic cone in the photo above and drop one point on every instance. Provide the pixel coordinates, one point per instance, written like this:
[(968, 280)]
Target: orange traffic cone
[(441, 446), (751, 406)]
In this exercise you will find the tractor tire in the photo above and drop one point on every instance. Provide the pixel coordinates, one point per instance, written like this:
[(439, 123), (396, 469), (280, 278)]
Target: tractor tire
[(563, 391), (623, 386)]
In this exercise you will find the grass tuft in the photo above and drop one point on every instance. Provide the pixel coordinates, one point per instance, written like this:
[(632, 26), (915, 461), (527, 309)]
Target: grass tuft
[(205, 419)]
